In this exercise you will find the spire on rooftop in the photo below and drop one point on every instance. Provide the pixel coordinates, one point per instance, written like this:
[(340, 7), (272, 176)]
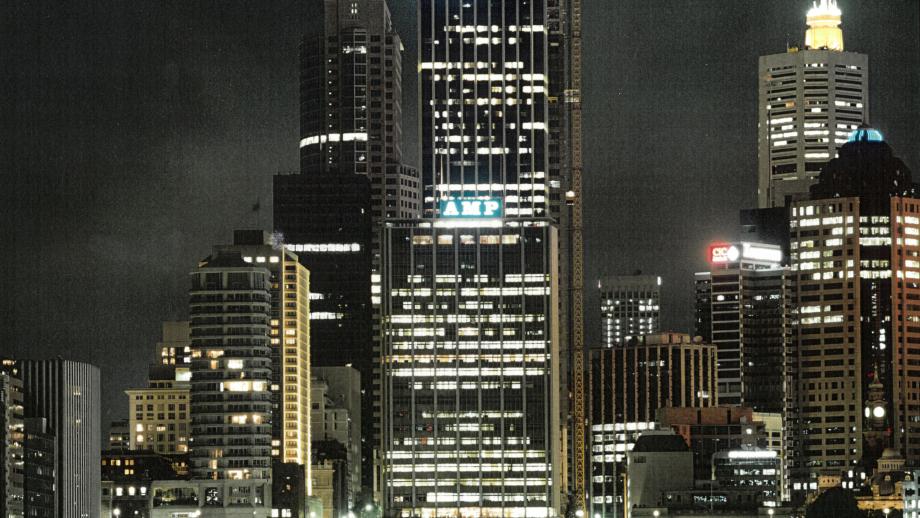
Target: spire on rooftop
[(824, 26)]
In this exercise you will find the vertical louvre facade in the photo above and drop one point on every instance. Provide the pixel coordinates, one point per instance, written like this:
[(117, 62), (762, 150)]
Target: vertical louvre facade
[(484, 113), (230, 310), (470, 370), (626, 386), (67, 394)]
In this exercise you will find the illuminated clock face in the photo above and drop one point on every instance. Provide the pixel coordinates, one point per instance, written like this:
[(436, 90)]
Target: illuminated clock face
[(878, 412)]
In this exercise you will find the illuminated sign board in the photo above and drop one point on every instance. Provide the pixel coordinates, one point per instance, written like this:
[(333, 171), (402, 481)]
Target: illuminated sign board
[(470, 208), (723, 254), (729, 253)]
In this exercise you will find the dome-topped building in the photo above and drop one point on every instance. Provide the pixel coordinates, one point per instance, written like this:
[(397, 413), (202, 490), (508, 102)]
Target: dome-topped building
[(866, 167)]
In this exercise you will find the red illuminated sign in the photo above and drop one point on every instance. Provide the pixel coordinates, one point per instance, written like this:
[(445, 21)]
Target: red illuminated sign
[(723, 253)]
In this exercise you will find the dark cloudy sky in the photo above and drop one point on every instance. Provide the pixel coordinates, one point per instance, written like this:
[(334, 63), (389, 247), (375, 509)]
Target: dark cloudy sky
[(133, 135)]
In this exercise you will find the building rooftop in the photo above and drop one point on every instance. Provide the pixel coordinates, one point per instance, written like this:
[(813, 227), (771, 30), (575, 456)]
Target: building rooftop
[(660, 442)]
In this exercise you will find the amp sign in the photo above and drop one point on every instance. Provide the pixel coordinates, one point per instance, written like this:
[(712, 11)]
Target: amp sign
[(470, 208)]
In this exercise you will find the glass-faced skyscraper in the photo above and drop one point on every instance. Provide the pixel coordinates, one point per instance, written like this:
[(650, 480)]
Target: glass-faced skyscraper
[(470, 369), (470, 312), (810, 101)]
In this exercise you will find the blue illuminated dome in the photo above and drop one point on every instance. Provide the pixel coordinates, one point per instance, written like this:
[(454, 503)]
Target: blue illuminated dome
[(866, 135)]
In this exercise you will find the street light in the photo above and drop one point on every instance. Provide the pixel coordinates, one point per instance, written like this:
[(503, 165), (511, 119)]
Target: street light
[(116, 512), (579, 513)]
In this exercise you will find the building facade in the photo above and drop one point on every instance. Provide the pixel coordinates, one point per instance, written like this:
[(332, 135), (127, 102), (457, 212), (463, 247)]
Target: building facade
[(290, 330), (12, 441), (710, 430), (40, 460), (159, 417), (856, 256), (231, 398), (67, 394), (810, 100), (743, 308), (471, 392), (628, 384), (351, 177), (630, 307), (337, 417)]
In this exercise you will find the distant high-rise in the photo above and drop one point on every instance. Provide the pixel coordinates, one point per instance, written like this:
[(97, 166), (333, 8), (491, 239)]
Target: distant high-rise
[(630, 307), (627, 384), (230, 310), (351, 177), (855, 249), (119, 434), (175, 347), (810, 100), (67, 394), (743, 308)]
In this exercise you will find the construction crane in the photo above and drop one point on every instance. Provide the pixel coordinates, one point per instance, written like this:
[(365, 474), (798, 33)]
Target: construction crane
[(574, 199)]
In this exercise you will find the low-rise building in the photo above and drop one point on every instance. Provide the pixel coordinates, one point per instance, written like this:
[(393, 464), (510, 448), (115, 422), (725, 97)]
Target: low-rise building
[(210, 498)]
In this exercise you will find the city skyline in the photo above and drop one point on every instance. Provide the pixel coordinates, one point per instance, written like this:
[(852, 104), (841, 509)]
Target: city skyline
[(165, 304)]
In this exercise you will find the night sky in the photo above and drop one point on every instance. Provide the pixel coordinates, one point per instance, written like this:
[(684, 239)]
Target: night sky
[(134, 135)]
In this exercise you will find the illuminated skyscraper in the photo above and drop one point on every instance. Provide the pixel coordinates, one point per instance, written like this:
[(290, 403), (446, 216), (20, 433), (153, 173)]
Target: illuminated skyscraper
[(630, 307), (855, 249), (351, 177), (478, 282), (810, 100)]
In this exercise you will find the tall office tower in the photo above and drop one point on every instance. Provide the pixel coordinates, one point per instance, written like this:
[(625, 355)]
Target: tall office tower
[(12, 439), (67, 394), (40, 452), (230, 310), (810, 100), (856, 254), (290, 330), (351, 177), (470, 365), (630, 306), (628, 384), (500, 118), (743, 308)]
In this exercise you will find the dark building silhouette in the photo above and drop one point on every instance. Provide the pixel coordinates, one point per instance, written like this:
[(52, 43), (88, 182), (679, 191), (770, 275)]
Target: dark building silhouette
[(351, 177), (40, 452)]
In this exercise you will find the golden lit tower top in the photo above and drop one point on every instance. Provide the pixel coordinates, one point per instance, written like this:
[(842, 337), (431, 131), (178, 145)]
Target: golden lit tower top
[(824, 26)]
